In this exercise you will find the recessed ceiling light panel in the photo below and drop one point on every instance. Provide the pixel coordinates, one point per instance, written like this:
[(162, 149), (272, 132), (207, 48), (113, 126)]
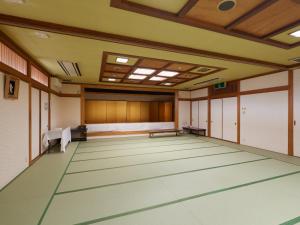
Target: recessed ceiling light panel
[(296, 34), (226, 5), (42, 35), (158, 78), (137, 77), (166, 73), (122, 60), (168, 84), (144, 71), (15, 1)]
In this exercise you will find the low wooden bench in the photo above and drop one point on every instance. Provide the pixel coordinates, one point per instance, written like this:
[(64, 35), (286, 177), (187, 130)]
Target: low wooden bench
[(195, 130), (152, 132)]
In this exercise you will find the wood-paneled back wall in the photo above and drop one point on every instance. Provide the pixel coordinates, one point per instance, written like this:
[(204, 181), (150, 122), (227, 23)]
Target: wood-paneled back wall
[(99, 111)]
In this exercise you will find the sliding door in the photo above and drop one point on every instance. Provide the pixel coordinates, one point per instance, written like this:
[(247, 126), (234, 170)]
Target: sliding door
[(216, 118), (203, 112), (35, 123), (44, 116), (297, 113), (184, 113), (195, 114), (230, 119)]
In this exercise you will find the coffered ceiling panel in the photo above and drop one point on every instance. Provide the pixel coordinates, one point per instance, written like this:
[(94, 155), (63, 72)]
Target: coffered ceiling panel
[(207, 11), (168, 5), (276, 16)]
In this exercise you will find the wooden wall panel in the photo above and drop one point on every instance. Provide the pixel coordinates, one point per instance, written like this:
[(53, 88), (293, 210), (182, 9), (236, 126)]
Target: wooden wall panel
[(145, 111), (121, 111), (133, 112), (154, 112), (99, 111)]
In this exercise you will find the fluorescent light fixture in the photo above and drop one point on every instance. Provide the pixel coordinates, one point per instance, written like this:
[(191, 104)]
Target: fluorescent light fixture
[(137, 77), (144, 71), (15, 1), (295, 34), (111, 79), (158, 78), (168, 84), (41, 34), (166, 73), (121, 60)]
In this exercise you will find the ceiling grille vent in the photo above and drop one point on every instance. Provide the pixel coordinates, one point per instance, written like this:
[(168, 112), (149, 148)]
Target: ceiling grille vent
[(70, 68), (297, 60)]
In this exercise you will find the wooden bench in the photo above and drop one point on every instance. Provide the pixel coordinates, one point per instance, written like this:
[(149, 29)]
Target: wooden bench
[(152, 132), (195, 130)]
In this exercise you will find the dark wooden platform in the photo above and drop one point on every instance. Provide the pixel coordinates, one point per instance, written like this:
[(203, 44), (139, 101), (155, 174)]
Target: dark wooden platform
[(195, 130), (152, 132)]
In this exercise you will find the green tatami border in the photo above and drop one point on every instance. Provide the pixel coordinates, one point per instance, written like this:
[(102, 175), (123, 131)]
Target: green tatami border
[(154, 162), (156, 177), (292, 221), (147, 153), (184, 199)]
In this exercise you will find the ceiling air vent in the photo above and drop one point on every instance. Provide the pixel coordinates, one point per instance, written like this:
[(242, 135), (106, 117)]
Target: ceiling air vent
[(70, 68), (297, 59)]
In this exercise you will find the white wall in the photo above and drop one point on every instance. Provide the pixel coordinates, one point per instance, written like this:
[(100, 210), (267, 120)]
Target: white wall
[(14, 124), (199, 93), (264, 121), (35, 123), (65, 111), (267, 81), (183, 113)]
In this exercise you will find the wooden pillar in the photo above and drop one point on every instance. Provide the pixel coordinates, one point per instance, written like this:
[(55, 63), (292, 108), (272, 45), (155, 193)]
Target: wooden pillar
[(82, 105), (176, 109), (291, 113), (238, 127)]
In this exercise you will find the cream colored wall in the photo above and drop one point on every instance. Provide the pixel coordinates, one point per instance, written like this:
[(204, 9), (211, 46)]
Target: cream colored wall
[(65, 111), (184, 94), (199, 93), (14, 123), (70, 89), (35, 123), (183, 113)]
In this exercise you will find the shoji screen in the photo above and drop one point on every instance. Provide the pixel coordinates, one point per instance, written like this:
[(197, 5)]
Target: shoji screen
[(297, 112), (195, 113), (264, 121), (35, 123), (230, 119), (203, 112), (216, 118)]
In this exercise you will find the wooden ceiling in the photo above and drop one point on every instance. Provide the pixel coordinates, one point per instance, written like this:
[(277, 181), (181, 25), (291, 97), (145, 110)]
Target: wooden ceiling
[(256, 20), (116, 72)]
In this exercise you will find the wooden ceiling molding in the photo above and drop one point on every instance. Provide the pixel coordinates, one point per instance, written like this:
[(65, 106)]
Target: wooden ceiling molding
[(255, 20), (120, 39), (186, 71)]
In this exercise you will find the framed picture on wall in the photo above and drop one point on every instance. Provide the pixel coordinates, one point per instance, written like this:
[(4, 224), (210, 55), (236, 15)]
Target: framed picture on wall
[(11, 89)]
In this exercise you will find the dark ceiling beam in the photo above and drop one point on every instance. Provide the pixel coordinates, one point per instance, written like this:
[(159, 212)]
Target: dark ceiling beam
[(187, 7), (251, 13), (120, 39), (282, 29)]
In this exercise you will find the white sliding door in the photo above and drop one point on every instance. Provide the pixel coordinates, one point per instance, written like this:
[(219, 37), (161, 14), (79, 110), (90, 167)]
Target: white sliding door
[(264, 121), (203, 111), (230, 119), (35, 123), (216, 118), (184, 113), (195, 114), (44, 116), (297, 112)]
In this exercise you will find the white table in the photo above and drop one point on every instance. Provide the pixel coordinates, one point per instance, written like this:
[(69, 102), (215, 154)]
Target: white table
[(58, 133)]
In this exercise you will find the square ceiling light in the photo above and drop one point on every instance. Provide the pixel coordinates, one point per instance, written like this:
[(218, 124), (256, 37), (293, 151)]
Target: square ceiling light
[(137, 77), (296, 34), (122, 60), (111, 79), (166, 73), (168, 84), (144, 71), (158, 78)]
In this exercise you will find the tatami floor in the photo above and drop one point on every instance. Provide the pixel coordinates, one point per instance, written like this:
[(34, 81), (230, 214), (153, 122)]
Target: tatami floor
[(183, 180)]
